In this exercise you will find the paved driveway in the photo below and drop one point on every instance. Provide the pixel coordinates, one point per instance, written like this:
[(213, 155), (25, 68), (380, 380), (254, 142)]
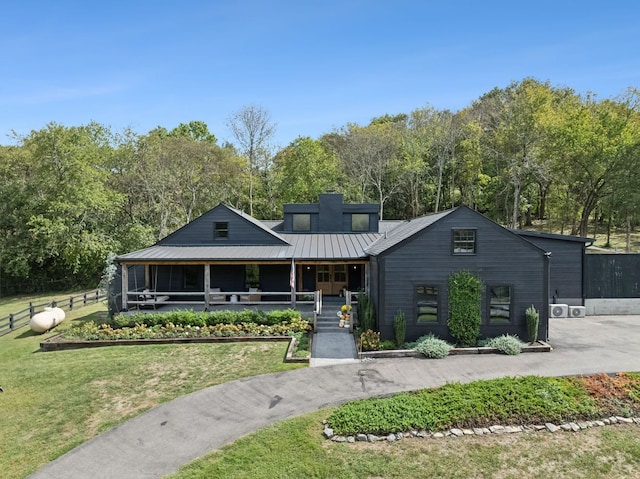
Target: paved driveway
[(158, 442)]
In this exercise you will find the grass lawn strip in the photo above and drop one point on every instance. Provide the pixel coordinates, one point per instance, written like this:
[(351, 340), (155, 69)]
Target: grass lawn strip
[(295, 448), (58, 400)]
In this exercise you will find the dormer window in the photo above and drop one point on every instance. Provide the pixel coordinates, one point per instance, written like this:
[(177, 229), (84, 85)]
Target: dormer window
[(464, 241), (220, 230), (301, 222), (360, 222)]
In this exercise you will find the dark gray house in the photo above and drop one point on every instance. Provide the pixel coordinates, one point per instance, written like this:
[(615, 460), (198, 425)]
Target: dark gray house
[(226, 256)]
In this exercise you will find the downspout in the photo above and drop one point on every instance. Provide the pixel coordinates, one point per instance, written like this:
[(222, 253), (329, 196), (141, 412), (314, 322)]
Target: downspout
[(584, 272), (547, 280)]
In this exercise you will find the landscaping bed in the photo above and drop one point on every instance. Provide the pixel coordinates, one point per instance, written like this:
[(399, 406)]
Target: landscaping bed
[(511, 401), (538, 347), (179, 327)]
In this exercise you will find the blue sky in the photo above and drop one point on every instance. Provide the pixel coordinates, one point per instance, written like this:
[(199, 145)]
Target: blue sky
[(314, 65)]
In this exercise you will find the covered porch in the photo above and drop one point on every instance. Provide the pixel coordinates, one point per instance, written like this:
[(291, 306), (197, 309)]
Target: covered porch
[(230, 285)]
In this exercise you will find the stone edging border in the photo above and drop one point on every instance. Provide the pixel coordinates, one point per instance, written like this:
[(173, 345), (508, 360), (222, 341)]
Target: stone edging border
[(57, 343), (539, 347), (480, 431)]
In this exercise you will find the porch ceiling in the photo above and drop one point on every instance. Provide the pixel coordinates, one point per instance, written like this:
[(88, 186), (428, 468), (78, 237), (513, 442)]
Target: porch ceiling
[(302, 247)]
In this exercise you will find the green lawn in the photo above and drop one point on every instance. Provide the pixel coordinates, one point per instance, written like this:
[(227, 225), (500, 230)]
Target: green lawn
[(295, 448), (57, 400)]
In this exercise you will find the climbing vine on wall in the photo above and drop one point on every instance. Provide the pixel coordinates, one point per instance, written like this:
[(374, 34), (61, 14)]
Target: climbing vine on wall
[(465, 307)]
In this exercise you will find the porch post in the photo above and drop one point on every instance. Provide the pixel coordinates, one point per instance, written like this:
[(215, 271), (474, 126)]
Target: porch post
[(147, 277), (366, 278), (124, 276), (207, 284), (292, 283)]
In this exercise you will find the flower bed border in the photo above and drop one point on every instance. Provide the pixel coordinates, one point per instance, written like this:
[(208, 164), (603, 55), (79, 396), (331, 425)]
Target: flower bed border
[(58, 343), (539, 347)]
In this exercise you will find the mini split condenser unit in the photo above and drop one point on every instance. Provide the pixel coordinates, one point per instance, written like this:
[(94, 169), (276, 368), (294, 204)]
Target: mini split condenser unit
[(577, 311), (558, 310)]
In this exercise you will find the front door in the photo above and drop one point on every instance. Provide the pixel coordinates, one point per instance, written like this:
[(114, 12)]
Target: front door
[(331, 278)]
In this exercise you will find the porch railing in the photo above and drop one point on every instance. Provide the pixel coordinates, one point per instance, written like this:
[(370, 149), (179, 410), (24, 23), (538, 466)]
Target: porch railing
[(158, 298)]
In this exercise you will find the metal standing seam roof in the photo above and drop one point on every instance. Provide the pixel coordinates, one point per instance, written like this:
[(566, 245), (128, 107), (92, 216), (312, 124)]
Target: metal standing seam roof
[(302, 247), (554, 236), (404, 231)]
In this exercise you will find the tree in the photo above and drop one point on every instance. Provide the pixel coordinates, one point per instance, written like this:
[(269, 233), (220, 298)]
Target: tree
[(252, 128), (169, 179), (304, 169), (597, 147), (513, 138), (195, 130), (370, 158), (59, 212), (437, 134)]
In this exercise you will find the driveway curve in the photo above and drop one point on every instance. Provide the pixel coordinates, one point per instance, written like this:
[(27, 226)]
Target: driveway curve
[(161, 440)]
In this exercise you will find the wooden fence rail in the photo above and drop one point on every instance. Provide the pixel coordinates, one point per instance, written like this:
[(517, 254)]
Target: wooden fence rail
[(21, 318)]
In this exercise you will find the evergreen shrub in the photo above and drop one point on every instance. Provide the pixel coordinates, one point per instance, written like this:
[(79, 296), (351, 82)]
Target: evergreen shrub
[(399, 327), (533, 320)]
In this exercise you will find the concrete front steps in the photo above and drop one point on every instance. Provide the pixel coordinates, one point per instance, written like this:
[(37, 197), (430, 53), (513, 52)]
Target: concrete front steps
[(331, 343)]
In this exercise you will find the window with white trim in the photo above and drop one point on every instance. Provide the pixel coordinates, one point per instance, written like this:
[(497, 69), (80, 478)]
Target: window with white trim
[(464, 241)]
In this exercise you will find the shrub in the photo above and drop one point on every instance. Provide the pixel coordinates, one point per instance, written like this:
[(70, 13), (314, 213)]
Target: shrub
[(507, 344), (281, 315), (533, 319), (192, 318), (193, 324), (465, 315), (366, 313), (399, 327), (432, 347), (387, 345), (370, 340), (362, 299), (511, 400)]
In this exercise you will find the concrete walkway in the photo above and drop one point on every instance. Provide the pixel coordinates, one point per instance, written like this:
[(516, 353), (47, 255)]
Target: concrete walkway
[(331, 343), (158, 442)]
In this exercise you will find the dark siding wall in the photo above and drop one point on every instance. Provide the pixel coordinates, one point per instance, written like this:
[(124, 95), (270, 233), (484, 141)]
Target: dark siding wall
[(565, 269), (200, 231), (347, 224), (375, 283), (288, 223), (502, 258), (331, 213), (612, 275)]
